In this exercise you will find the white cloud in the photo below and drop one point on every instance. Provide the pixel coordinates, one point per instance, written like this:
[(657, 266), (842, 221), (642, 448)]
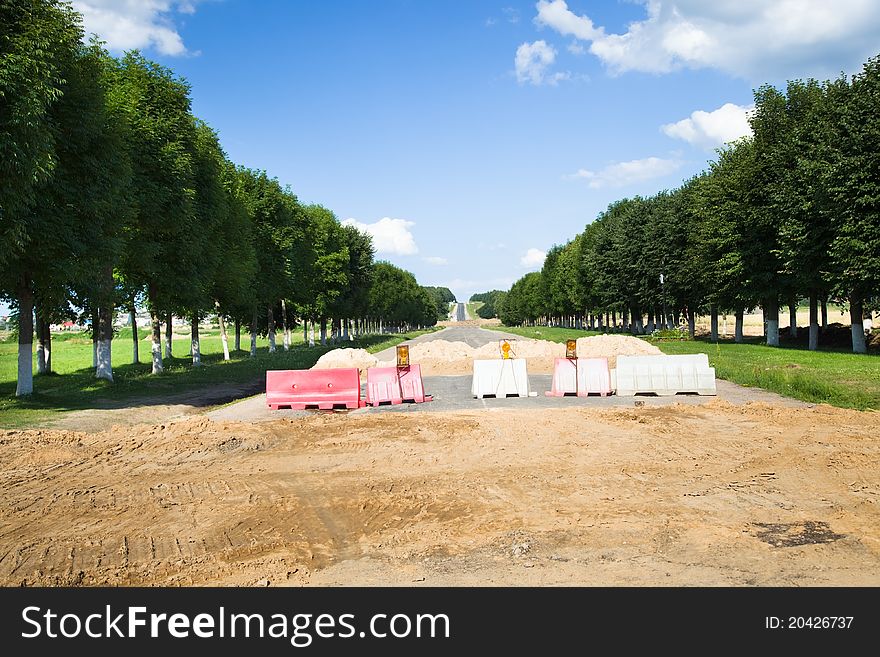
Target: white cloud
[(532, 61), (436, 260), (128, 24), (533, 258), (753, 39), (575, 48), (556, 14), (712, 129), (621, 174), (389, 235)]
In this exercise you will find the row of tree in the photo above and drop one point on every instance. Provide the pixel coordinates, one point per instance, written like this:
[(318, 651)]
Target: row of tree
[(790, 213), (491, 301), (113, 195)]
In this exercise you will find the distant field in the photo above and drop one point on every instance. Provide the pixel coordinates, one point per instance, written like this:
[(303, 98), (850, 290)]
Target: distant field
[(826, 376), (73, 384)]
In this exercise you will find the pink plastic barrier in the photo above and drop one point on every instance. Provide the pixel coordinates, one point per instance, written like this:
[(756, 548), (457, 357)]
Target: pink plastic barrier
[(323, 389), (395, 385), (581, 377)]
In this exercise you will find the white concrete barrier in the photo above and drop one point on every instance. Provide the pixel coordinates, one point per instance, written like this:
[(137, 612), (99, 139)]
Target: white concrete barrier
[(501, 378), (664, 375), (580, 376)]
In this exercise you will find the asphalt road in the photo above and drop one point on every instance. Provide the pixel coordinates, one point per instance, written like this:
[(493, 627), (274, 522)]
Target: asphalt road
[(460, 312), (453, 393)]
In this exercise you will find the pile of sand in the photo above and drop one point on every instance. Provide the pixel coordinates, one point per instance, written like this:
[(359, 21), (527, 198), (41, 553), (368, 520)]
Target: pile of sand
[(359, 358), (612, 346), (441, 357)]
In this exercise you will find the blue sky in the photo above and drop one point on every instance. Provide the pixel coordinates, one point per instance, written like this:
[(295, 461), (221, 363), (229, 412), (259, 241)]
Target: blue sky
[(471, 135)]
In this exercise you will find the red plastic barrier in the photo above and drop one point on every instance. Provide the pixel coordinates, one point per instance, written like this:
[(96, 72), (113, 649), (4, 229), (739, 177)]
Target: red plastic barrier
[(395, 385), (581, 377), (324, 389)]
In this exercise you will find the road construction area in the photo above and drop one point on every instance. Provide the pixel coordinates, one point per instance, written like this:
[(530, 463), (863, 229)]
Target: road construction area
[(714, 491)]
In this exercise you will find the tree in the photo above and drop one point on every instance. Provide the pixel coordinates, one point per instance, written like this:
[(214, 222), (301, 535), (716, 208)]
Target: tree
[(39, 44), (854, 192), (159, 253)]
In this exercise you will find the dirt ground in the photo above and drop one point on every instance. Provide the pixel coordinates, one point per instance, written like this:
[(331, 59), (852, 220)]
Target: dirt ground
[(680, 495)]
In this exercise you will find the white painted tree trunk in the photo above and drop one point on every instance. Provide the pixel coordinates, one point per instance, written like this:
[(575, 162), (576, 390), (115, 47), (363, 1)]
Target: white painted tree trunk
[(132, 316), (223, 338), (346, 335), (41, 357), (25, 384), (813, 344), (773, 332), (856, 315), (156, 344), (271, 319), (285, 325), (169, 336), (104, 369), (195, 344), (792, 320)]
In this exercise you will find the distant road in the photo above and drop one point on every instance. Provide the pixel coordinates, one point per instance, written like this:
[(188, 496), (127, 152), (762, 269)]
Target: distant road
[(460, 312)]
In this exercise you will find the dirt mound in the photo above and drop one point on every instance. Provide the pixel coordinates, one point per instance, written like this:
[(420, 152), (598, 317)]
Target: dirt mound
[(359, 358), (612, 346)]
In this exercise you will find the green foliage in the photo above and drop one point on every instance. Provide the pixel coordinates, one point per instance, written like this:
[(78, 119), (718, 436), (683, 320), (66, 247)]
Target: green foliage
[(442, 297), (491, 303)]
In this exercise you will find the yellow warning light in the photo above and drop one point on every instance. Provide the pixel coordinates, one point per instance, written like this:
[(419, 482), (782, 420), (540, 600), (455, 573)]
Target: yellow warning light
[(505, 349), (571, 349), (403, 355)]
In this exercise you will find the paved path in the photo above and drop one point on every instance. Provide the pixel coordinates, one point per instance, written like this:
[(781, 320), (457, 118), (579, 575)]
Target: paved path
[(453, 393)]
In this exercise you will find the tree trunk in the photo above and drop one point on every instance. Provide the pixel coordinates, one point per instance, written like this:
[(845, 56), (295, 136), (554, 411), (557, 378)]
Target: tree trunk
[(223, 339), (311, 333), (323, 330), (104, 368), (196, 343), (132, 317), (771, 322), (792, 319), (284, 324), (856, 315), (254, 334), (237, 334), (41, 347), (814, 321), (270, 316), (95, 330), (47, 344), (692, 322), (305, 330), (156, 345), (169, 335), (345, 332), (713, 320), (824, 314), (738, 326), (25, 384)]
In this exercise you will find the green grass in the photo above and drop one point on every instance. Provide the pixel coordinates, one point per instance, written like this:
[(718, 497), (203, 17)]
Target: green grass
[(472, 308), (544, 332), (827, 376), (73, 385)]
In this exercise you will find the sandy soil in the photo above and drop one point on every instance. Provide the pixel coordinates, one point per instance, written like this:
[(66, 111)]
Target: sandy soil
[(680, 495)]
